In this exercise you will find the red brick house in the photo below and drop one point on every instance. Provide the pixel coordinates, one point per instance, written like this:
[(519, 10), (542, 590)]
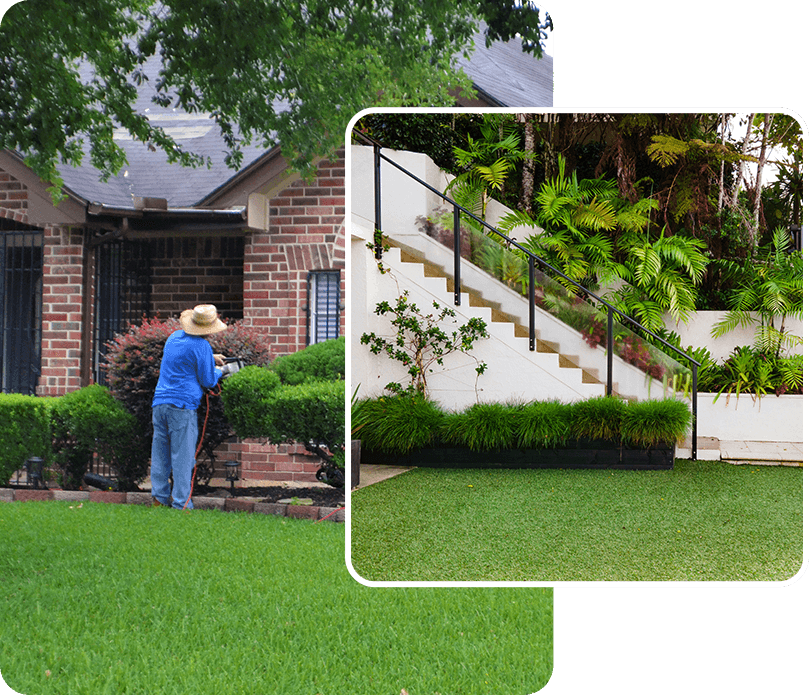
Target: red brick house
[(261, 244), (74, 275)]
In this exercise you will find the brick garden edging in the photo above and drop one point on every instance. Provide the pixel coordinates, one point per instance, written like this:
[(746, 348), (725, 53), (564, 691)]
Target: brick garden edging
[(228, 504)]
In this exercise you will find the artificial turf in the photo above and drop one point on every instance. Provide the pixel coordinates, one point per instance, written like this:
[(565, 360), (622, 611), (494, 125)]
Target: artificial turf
[(699, 521)]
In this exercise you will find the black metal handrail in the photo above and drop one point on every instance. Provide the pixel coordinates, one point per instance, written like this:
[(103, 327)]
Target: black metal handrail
[(457, 209)]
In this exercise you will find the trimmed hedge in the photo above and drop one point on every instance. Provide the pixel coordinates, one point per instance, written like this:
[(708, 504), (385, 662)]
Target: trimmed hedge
[(324, 361), (259, 406), (25, 431), (90, 421), (400, 424)]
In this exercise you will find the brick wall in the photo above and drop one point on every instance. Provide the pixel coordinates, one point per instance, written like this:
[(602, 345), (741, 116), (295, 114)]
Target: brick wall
[(62, 320), (306, 233), (262, 278), (190, 271), (13, 198)]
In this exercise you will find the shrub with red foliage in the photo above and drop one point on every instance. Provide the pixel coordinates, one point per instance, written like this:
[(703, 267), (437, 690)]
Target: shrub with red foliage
[(132, 364)]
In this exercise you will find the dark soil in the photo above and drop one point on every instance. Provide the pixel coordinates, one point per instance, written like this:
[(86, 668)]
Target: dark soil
[(320, 496)]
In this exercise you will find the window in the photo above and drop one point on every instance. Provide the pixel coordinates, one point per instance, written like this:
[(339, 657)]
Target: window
[(20, 311), (323, 306)]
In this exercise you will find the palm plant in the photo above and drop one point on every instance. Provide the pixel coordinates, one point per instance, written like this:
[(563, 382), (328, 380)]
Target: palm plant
[(768, 289), (661, 276), (487, 163), (579, 219)]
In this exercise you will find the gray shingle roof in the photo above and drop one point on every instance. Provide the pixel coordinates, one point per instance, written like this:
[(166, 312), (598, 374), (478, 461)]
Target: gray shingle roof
[(503, 72), (512, 77)]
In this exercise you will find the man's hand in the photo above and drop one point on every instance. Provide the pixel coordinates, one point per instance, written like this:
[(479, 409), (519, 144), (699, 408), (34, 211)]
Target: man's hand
[(219, 360)]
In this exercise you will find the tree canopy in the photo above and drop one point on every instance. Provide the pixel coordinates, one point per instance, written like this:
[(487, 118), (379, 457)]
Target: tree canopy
[(271, 71)]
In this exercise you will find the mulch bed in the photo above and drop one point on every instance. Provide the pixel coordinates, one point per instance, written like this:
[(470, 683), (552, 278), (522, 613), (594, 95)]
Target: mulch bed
[(320, 496)]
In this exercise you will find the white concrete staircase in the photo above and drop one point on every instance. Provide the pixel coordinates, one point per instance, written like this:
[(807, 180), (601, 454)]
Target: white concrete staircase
[(559, 348)]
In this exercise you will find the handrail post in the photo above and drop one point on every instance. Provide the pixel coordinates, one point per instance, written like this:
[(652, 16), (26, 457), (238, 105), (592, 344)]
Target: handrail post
[(609, 350), (531, 306), (694, 369), (377, 203), (456, 224)]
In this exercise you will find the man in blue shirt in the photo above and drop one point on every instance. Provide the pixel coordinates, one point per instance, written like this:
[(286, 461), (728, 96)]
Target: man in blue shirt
[(188, 366)]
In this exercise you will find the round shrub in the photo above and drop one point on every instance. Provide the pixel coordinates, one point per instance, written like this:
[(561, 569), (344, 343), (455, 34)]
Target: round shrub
[(396, 424), (309, 412), (597, 418), (319, 362), (243, 395), (481, 427), (90, 421)]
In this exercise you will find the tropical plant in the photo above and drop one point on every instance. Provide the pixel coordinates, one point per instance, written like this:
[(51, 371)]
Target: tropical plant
[(486, 163), (769, 289), (660, 276), (579, 221), (757, 373)]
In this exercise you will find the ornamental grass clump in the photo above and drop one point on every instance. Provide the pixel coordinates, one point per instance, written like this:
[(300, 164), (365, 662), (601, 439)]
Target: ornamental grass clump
[(597, 418), (542, 425), (482, 426), (397, 424), (647, 423)]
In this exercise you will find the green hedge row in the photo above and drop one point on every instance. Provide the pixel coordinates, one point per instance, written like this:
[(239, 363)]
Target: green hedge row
[(260, 406), (298, 397), (25, 431), (66, 432), (402, 423)]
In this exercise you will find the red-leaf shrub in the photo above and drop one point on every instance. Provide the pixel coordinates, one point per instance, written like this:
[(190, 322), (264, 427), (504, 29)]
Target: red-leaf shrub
[(132, 364)]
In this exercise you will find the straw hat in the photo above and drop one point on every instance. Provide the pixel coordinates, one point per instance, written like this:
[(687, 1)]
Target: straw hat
[(201, 320)]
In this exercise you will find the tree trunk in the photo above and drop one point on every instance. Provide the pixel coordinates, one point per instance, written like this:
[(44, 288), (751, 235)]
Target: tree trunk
[(529, 165), (722, 170), (762, 157)]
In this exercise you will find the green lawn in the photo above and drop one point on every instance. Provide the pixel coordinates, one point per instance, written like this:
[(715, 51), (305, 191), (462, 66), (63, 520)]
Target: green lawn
[(699, 521), (123, 599)]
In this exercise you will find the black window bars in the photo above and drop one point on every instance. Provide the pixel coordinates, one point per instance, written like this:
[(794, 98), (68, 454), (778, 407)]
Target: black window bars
[(532, 264)]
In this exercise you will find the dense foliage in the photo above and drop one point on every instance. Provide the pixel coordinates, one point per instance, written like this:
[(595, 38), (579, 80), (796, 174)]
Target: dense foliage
[(400, 424), (690, 166), (91, 422), (298, 398), (24, 431), (325, 361), (387, 52)]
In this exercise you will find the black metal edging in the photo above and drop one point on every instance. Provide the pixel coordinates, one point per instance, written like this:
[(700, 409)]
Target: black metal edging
[(457, 209)]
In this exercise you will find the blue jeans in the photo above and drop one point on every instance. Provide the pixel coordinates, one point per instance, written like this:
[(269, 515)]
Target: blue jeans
[(173, 447)]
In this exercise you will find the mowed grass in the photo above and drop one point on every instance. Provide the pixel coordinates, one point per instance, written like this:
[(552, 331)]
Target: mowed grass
[(699, 521), (126, 599)]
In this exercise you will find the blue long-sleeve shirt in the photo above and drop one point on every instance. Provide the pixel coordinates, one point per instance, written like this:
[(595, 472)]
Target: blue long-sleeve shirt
[(188, 365)]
